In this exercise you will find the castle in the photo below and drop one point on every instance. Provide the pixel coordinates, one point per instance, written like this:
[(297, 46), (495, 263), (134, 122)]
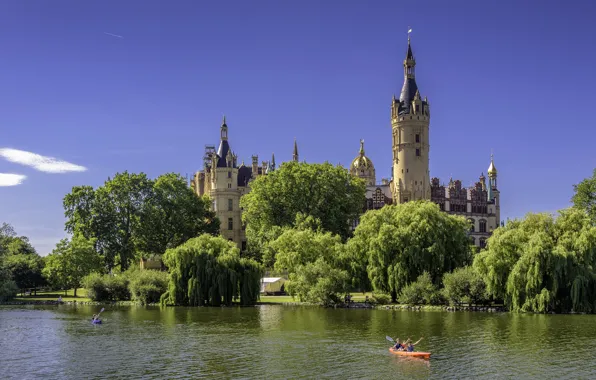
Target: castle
[(410, 121), (225, 182)]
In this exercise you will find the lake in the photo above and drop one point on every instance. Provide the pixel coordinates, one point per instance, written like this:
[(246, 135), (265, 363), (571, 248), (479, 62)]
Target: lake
[(280, 342)]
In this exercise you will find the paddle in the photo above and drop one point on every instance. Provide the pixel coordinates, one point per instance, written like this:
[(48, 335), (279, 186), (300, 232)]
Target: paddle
[(389, 339), (97, 316)]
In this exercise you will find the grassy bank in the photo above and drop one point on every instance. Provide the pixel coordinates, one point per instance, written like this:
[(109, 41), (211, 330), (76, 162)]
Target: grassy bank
[(53, 296)]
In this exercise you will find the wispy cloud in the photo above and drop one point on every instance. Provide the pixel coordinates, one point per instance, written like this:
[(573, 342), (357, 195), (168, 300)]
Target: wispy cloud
[(42, 163), (7, 179), (113, 35)]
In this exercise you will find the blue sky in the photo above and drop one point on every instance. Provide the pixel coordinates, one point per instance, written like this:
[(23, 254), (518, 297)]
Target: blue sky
[(513, 76)]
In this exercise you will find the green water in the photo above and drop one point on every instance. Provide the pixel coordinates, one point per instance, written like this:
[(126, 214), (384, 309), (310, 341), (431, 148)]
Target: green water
[(59, 342)]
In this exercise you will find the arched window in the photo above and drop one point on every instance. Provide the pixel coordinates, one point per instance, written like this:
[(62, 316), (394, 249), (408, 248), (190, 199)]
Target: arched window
[(482, 243), (482, 225), (472, 223), (472, 240)]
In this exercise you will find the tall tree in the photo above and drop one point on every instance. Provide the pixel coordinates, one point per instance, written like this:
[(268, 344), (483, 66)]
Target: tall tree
[(131, 214), (325, 192), (172, 214), (70, 261), (26, 270), (585, 196), (401, 242)]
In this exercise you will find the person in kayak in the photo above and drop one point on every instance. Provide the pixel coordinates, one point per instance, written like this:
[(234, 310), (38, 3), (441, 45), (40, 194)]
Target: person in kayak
[(398, 346), (95, 317), (410, 345)]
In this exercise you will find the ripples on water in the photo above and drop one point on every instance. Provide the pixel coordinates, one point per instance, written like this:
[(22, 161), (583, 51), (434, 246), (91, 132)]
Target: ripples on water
[(289, 342)]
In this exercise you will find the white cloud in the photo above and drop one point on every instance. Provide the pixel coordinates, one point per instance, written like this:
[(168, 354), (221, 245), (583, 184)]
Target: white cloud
[(7, 179), (39, 162)]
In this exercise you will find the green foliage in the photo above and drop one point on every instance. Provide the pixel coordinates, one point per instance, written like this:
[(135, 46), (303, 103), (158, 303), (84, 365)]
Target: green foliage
[(396, 244), (26, 270), (543, 264), (70, 261), (380, 299), (107, 287), (318, 282), (585, 196), (147, 286), (208, 270), (324, 192), (8, 288), (464, 285), (421, 292), (132, 213), (298, 247)]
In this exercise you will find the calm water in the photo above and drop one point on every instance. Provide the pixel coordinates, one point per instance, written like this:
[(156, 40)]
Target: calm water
[(279, 342)]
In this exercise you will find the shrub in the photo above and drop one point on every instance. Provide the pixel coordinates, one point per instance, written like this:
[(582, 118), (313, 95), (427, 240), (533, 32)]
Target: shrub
[(464, 285), (8, 290), (380, 299), (107, 287), (147, 286), (318, 282), (421, 292)]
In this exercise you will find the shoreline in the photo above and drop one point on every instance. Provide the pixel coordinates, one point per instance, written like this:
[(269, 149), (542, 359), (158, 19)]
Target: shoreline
[(359, 306)]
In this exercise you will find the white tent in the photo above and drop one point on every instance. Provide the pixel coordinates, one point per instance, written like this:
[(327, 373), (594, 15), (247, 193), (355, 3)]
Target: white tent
[(272, 284)]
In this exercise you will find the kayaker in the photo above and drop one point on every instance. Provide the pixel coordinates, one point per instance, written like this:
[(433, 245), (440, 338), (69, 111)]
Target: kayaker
[(398, 346), (411, 345), (95, 317)]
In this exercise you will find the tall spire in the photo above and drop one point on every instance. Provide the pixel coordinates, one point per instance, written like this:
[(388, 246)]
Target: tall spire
[(273, 161), (361, 147), (409, 88), (295, 154), (224, 129)]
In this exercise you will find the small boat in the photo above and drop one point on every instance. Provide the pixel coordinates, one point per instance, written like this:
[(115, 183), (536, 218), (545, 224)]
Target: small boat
[(96, 321), (416, 354)]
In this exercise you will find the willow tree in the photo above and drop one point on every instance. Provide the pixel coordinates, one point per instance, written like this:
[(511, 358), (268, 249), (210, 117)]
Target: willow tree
[(208, 271), (399, 243), (543, 263)]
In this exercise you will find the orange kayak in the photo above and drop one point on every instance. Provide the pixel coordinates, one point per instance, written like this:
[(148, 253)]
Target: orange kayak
[(416, 354)]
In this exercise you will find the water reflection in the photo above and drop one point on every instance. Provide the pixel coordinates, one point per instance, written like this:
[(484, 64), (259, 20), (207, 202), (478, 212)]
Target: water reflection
[(289, 342)]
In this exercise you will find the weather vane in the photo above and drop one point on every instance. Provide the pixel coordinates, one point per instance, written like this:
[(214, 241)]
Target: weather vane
[(409, 31)]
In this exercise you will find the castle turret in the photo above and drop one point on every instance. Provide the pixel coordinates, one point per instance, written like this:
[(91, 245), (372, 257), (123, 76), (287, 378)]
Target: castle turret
[(363, 167), (410, 120)]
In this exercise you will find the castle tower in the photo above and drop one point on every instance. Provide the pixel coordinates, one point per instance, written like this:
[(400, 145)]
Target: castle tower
[(410, 119), (295, 154), (363, 167)]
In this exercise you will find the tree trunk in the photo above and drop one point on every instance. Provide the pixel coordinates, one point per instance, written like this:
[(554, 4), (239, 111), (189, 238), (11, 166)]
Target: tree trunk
[(393, 296), (75, 292), (65, 292)]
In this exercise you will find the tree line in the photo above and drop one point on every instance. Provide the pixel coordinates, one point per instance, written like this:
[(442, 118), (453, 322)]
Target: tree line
[(298, 223)]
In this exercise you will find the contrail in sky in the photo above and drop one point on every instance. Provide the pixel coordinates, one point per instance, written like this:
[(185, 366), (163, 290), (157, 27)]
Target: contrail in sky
[(113, 35)]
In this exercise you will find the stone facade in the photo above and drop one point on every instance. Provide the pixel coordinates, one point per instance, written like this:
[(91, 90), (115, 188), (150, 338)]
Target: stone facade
[(410, 121), (225, 182)]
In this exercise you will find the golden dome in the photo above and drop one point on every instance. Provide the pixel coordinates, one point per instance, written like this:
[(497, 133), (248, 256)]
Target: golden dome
[(361, 161), (492, 170)]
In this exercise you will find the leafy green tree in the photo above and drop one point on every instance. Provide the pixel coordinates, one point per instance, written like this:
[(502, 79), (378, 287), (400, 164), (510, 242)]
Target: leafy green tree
[(464, 285), (131, 213), (318, 282), (147, 286), (296, 247), (542, 263), (325, 192), (172, 214), (400, 242), (25, 270), (70, 261), (208, 270), (585, 196), (420, 292)]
